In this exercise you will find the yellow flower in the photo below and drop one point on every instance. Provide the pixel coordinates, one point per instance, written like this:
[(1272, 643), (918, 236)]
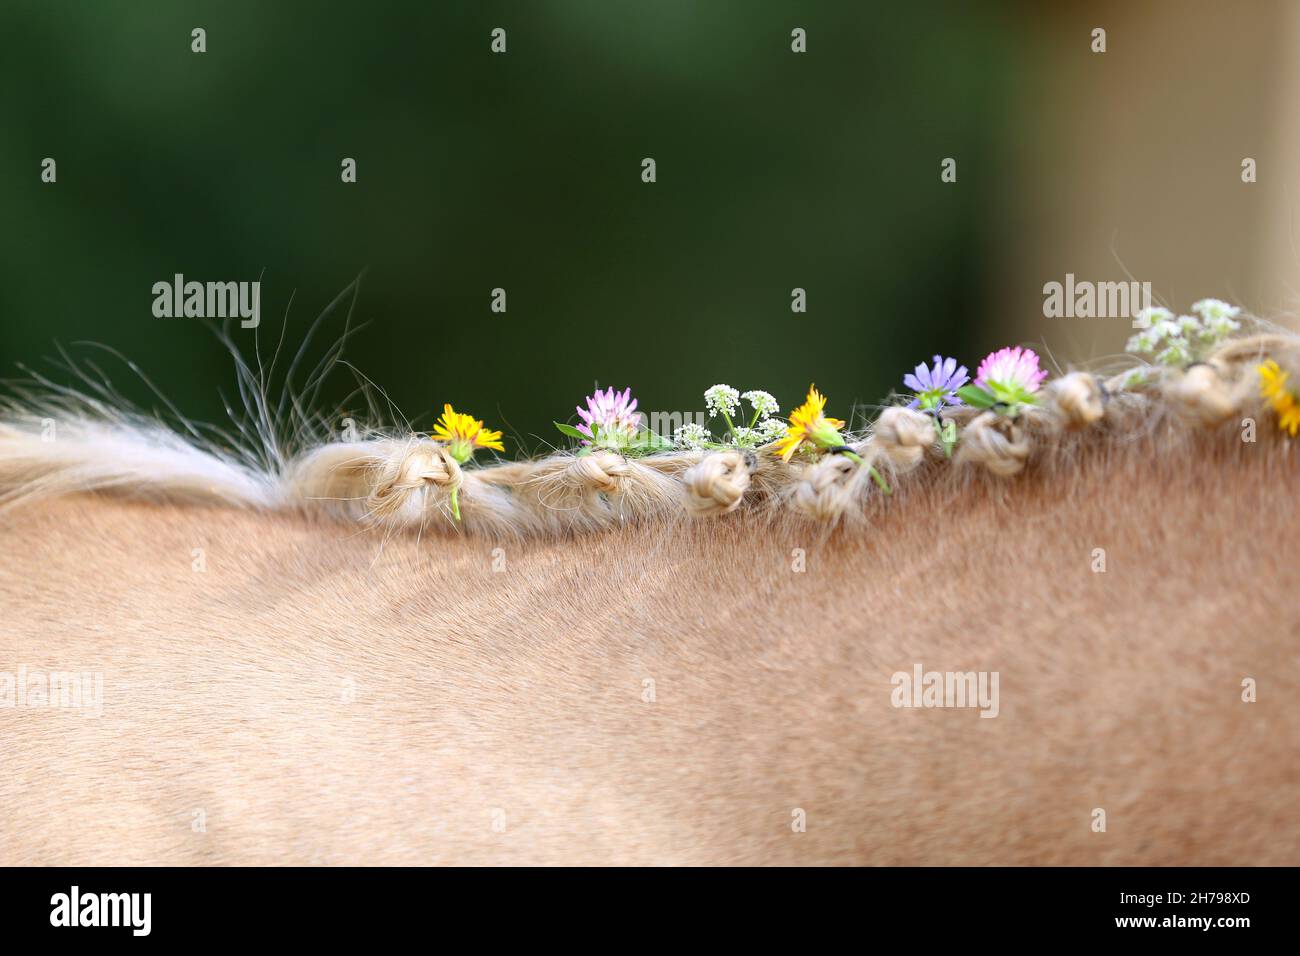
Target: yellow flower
[(1272, 385), (464, 435), (809, 424)]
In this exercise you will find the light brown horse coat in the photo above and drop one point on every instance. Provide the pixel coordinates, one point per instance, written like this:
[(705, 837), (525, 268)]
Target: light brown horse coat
[(287, 689)]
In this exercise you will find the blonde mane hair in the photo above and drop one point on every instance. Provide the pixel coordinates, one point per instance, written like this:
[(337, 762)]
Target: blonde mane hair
[(56, 440)]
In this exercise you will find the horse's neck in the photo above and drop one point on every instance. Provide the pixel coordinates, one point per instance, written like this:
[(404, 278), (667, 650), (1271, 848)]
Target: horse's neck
[(668, 693)]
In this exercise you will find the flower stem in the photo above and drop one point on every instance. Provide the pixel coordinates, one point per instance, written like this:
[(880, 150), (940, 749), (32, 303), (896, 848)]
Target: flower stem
[(875, 475), (455, 503), (731, 429)]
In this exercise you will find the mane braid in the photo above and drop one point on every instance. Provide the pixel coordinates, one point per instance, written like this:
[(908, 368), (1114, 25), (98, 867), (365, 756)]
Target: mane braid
[(56, 440)]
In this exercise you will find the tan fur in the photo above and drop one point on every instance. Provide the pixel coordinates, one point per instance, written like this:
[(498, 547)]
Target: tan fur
[(521, 690)]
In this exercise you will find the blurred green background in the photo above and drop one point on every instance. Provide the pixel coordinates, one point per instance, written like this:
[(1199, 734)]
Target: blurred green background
[(522, 171)]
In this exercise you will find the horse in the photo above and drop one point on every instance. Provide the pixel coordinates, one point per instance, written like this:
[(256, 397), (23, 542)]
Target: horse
[(1073, 642)]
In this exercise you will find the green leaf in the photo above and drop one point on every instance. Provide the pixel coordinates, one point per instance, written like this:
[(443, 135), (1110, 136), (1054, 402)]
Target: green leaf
[(977, 397), (570, 431)]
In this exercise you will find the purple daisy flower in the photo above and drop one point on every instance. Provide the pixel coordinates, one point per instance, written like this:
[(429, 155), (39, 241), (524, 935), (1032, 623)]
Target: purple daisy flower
[(611, 412), (936, 386)]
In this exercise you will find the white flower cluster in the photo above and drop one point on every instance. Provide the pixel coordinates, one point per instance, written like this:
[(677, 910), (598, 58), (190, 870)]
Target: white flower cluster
[(763, 403), (1220, 318), (766, 431), (722, 398), (770, 430), (692, 435), (1179, 340), (761, 430)]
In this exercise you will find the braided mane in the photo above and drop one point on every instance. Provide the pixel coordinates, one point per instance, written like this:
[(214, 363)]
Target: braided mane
[(56, 441)]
